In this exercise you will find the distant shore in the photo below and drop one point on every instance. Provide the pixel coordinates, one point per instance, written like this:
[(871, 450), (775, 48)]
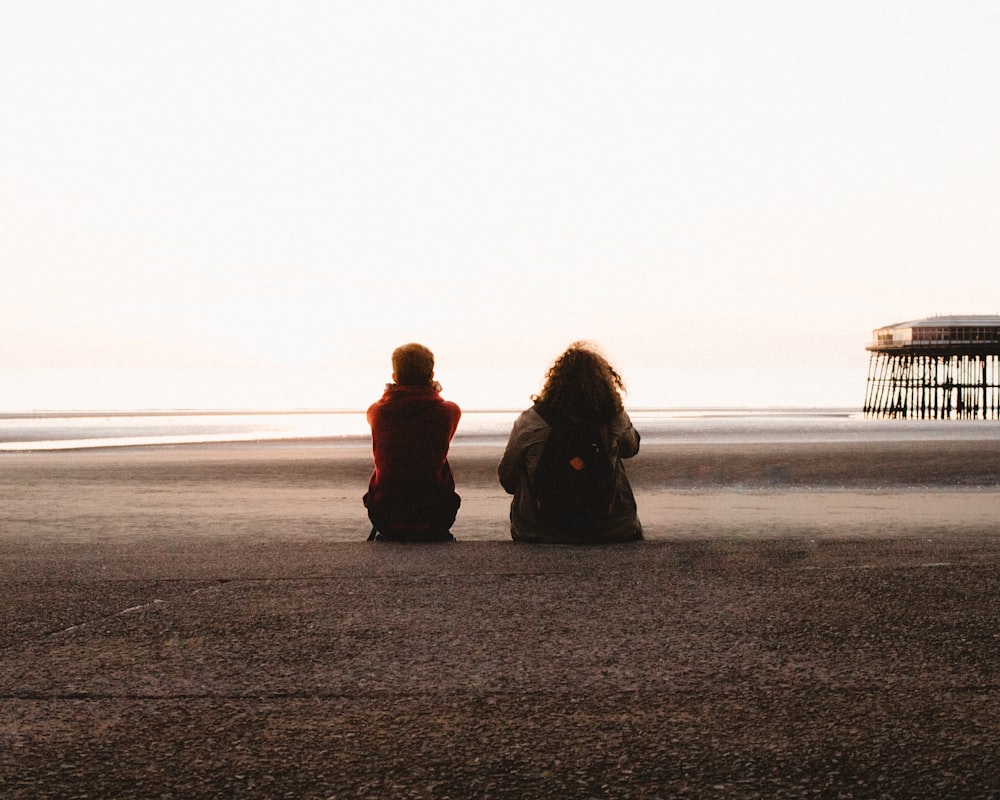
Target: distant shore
[(289, 490)]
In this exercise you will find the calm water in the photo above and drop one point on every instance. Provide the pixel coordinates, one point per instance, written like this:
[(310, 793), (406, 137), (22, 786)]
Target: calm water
[(31, 432)]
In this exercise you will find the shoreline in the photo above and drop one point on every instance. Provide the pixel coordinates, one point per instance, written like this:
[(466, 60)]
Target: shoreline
[(82, 430), (807, 462)]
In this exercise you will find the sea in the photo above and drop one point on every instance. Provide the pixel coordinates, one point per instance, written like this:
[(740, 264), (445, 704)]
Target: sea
[(38, 432)]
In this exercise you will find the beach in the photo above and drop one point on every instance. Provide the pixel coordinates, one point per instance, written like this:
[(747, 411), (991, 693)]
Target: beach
[(802, 620), (290, 490)]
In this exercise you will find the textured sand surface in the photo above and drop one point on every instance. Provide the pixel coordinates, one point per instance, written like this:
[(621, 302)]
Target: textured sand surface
[(289, 491), (191, 623)]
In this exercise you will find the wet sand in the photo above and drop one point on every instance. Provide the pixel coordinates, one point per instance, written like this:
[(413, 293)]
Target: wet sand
[(290, 491), (802, 621)]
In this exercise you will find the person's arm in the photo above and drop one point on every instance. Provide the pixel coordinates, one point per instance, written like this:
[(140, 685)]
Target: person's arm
[(526, 439), (628, 437), (510, 464), (525, 430), (454, 417)]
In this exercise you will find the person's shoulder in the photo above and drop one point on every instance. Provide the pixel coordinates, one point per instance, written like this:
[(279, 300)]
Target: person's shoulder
[(621, 420), (388, 397), (530, 419), (532, 413)]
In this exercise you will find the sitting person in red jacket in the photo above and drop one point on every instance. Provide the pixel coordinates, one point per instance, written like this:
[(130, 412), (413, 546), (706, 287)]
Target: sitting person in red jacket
[(411, 495)]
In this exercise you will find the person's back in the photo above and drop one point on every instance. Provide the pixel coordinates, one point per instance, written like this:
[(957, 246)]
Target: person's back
[(411, 495), (578, 417), (574, 480)]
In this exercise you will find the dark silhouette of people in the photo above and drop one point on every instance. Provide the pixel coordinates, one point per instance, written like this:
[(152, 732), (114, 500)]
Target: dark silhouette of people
[(411, 495), (581, 399)]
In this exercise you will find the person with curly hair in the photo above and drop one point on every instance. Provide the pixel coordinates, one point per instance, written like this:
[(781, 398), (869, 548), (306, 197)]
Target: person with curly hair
[(411, 495), (581, 399)]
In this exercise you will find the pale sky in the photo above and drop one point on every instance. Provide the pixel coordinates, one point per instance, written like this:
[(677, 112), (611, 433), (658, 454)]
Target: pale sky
[(251, 203)]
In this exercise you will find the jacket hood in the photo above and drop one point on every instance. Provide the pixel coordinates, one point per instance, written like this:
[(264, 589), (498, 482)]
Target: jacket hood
[(409, 401)]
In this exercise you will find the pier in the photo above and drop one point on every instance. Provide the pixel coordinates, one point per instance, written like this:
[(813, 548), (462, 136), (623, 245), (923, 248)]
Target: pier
[(944, 367)]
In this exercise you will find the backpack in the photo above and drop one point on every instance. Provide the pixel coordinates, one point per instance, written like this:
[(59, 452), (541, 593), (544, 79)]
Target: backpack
[(574, 482)]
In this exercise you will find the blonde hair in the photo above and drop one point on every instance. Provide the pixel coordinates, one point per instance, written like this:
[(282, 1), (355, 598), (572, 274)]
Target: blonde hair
[(582, 385), (413, 365)]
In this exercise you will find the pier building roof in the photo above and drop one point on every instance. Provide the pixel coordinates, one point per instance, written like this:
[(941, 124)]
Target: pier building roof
[(974, 334)]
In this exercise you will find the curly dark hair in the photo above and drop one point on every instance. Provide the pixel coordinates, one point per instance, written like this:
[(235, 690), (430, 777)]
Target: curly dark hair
[(581, 385)]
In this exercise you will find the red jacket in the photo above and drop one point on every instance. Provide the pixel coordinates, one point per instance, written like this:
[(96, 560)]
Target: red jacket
[(412, 486)]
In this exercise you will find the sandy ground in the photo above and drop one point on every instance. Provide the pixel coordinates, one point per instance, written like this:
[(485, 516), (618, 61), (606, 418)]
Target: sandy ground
[(289, 491), (802, 621)]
